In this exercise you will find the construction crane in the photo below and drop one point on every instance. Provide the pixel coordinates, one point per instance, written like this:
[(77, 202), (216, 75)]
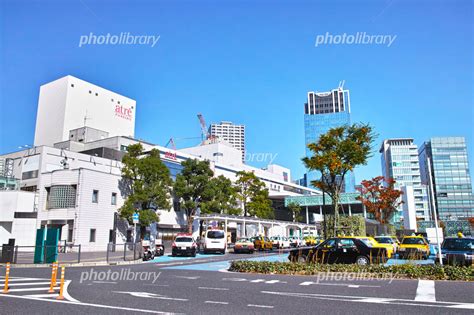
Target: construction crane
[(204, 131)]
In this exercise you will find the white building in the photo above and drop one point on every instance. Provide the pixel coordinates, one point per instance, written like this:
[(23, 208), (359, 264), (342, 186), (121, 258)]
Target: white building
[(400, 162), (69, 103), (231, 133)]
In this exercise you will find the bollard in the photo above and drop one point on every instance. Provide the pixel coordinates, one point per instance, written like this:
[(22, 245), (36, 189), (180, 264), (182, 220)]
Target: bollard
[(61, 286), (54, 271), (7, 274)]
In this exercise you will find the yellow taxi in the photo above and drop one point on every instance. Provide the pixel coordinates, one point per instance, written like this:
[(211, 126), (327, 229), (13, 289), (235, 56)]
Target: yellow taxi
[(414, 247), (262, 243), (371, 242)]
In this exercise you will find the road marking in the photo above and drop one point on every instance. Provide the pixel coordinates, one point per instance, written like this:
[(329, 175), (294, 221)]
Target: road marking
[(275, 281), (468, 306), (190, 278), (234, 279), (218, 289), (49, 295), (366, 299), (151, 295), (261, 306), (306, 283), (216, 302), (21, 279), (258, 280), (28, 283), (86, 304), (425, 291), (31, 289)]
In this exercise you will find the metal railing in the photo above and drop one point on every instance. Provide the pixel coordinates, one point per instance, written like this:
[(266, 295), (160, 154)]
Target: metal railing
[(26, 254), (123, 252)]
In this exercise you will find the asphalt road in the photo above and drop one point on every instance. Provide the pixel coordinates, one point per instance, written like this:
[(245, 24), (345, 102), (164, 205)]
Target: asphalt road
[(165, 289)]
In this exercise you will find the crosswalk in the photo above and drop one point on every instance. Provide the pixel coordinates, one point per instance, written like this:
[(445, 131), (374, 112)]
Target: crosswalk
[(32, 287)]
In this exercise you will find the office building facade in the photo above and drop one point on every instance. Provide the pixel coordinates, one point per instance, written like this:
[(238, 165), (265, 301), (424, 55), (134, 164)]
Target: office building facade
[(324, 111), (399, 159), (230, 133), (450, 174)]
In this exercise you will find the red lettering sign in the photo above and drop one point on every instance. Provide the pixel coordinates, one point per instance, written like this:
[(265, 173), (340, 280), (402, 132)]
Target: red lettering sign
[(123, 112)]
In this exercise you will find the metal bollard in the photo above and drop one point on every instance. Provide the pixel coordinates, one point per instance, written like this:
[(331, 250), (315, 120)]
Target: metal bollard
[(61, 287), (7, 274), (54, 271)]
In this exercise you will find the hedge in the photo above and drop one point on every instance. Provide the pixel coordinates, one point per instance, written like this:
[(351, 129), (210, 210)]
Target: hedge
[(410, 271)]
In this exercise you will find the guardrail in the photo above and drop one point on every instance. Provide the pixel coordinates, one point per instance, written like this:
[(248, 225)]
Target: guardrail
[(123, 252), (26, 254)]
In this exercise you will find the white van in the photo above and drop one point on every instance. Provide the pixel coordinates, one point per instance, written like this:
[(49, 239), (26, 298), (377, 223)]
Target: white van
[(215, 241)]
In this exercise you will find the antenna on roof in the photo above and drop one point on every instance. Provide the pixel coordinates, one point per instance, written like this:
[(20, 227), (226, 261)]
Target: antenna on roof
[(86, 118), (341, 84)]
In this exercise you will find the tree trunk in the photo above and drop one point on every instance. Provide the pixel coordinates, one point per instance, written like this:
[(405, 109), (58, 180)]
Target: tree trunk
[(336, 212)]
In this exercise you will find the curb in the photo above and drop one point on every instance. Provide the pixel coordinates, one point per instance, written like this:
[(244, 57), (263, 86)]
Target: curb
[(84, 264)]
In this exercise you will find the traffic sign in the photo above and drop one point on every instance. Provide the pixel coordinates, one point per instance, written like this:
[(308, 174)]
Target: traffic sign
[(135, 218)]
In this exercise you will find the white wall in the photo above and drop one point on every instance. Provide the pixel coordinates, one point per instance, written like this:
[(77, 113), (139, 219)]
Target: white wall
[(64, 103)]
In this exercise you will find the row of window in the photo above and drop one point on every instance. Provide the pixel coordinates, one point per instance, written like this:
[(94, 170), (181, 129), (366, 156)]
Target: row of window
[(95, 197), (96, 94)]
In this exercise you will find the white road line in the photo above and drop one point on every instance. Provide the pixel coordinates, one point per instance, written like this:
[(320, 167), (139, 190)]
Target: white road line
[(234, 279), (21, 279), (28, 283), (87, 304), (275, 281), (261, 306), (464, 306), (218, 289), (50, 295), (257, 280), (190, 278), (306, 283), (31, 289), (425, 291), (216, 302)]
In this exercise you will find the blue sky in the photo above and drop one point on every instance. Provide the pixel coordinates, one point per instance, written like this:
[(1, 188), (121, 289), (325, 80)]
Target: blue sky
[(249, 62)]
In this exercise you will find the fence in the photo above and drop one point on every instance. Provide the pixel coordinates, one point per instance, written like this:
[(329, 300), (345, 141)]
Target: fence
[(26, 254), (123, 252)]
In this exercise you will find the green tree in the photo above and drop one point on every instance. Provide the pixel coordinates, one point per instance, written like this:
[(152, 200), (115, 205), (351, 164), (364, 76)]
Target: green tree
[(295, 210), (253, 196), (335, 154), (222, 198), (146, 184), (194, 188)]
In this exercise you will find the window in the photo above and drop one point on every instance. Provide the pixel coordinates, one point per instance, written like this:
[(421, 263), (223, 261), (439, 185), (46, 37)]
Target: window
[(95, 196), (61, 196), (114, 199), (72, 85), (92, 236)]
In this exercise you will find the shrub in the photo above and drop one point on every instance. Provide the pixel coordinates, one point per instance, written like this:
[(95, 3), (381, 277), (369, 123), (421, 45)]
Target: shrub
[(410, 271)]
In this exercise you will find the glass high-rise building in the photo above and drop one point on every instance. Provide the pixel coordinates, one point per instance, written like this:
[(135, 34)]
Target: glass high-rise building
[(400, 162), (450, 173), (324, 111)]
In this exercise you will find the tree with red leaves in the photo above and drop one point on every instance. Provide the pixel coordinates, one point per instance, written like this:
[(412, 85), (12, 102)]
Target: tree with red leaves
[(380, 197)]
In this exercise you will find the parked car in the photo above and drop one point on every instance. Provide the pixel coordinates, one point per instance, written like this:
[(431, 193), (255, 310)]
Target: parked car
[(296, 241), (244, 245), (388, 240), (414, 247), (280, 242), (458, 251), (373, 243), (341, 250), (263, 243), (215, 241), (184, 244)]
